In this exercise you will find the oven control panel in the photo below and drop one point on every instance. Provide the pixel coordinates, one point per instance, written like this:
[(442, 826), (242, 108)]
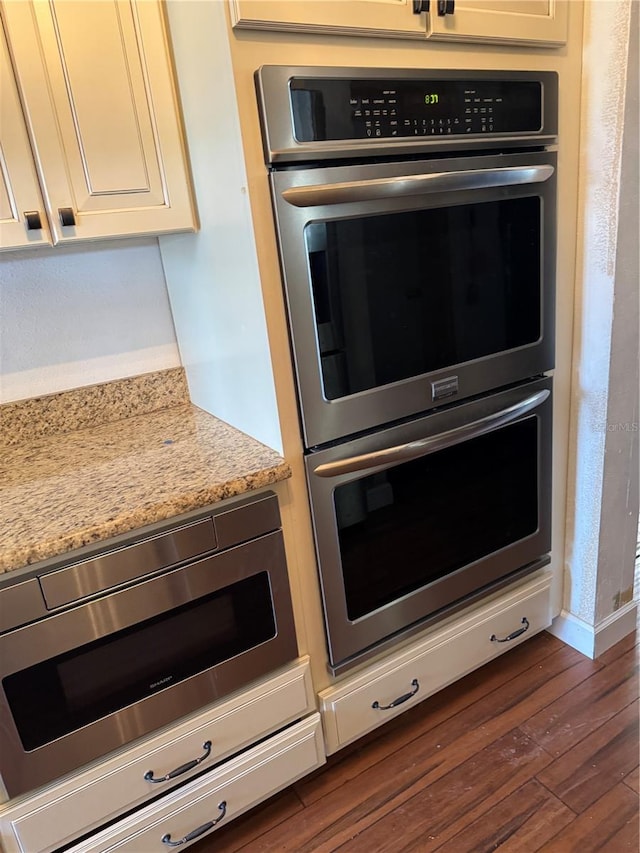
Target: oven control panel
[(341, 109)]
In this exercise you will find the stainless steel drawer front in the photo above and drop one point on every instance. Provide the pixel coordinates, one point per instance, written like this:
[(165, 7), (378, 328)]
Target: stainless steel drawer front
[(119, 665), (126, 564)]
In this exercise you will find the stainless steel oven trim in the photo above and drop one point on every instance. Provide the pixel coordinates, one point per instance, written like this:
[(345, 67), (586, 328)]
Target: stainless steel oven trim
[(31, 644), (346, 638), (281, 146), (89, 577), (327, 420), (409, 631)]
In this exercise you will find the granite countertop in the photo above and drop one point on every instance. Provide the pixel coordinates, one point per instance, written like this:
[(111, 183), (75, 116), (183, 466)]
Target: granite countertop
[(82, 466)]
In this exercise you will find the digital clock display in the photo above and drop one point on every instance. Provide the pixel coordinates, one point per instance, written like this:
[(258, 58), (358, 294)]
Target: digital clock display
[(362, 108), (443, 100)]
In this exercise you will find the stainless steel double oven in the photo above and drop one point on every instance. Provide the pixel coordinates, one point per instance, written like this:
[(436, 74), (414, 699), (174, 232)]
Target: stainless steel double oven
[(416, 218)]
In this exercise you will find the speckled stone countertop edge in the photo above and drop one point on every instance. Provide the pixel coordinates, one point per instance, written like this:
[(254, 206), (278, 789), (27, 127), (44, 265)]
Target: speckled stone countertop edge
[(64, 490), (28, 557)]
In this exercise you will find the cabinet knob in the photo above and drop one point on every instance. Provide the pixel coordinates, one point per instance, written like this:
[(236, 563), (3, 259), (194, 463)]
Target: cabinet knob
[(446, 7), (420, 6), (67, 216), (32, 219)]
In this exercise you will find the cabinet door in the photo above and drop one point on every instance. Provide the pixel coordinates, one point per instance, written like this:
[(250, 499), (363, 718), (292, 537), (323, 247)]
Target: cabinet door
[(385, 18), (98, 99), (502, 21), (19, 190)]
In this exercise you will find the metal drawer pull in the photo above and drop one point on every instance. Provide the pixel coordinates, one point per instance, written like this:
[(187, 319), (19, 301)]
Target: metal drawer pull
[(195, 833), (400, 699), (515, 634), (67, 216), (33, 220), (148, 776)]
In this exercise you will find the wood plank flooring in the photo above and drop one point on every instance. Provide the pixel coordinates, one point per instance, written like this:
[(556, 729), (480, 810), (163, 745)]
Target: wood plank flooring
[(536, 751)]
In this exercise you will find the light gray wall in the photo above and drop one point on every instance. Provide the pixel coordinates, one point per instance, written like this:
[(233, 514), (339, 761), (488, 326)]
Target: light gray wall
[(77, 315)]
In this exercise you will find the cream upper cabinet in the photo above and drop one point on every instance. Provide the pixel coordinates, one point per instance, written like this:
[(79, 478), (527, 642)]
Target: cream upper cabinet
[(98, 99), (502, 21), (21, 206), (385, 18)]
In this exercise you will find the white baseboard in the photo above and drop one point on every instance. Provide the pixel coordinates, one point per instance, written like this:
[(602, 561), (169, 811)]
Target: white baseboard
[(594, 640)]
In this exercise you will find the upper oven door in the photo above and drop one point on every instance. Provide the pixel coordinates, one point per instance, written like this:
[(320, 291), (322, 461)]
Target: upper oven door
[(415, 283)]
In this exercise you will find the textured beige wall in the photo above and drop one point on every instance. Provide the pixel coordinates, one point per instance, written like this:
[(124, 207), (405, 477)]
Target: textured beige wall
[(77, 315), (619, 511), (602, 494)]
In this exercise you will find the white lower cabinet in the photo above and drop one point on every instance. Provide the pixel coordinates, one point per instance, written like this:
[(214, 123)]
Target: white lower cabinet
[(56, 815), (390, 686), (217, 797)]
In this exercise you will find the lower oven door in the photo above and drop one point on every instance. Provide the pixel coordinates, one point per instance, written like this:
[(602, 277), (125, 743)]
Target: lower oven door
[(83, 682), (414, 519)]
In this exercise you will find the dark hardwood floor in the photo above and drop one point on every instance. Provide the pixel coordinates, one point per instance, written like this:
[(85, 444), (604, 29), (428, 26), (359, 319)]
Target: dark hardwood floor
[(536, 751)]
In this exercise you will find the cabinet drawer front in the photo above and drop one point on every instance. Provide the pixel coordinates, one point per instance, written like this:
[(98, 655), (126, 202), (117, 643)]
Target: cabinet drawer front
[(391, 686), (71, 808), (219, 795)]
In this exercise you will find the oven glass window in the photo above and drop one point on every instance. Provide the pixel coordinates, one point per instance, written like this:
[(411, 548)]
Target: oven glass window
[(402, 294), (111, 673), (410, 525)]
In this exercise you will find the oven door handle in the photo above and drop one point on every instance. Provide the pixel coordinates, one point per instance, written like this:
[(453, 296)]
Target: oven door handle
[(422, 447), (409, 185)]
